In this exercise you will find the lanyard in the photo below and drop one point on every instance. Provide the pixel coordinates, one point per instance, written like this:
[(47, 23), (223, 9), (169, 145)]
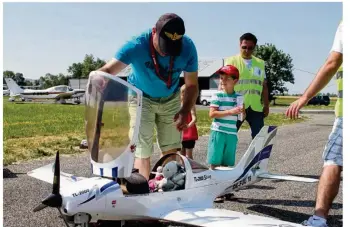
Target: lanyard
[(156, 66)]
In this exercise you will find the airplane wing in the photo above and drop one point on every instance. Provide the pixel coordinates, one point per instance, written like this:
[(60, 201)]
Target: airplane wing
[(210, 217), (45, 173)]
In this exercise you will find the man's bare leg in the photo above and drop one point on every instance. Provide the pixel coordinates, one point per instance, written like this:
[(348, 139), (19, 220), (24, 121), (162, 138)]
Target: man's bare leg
[(144, 166), (328, 188)]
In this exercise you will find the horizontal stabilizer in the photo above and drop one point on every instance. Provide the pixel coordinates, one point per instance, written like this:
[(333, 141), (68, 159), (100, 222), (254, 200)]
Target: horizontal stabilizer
[(45, 173), (287, 178)]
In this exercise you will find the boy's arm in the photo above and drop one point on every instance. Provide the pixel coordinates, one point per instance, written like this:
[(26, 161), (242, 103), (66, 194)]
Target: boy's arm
[(214, 112), (214, 108)]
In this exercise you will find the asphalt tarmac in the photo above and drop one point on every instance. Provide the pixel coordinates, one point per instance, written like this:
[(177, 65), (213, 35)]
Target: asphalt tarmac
[(297, 151)]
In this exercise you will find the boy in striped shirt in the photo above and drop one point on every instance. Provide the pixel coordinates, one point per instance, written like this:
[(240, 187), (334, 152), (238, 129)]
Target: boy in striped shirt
[(224, 111)]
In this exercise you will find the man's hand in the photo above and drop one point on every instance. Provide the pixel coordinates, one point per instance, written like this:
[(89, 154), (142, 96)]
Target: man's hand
[(293, 109), (180, 120), (322, 78), (99, 81), (266, 111)]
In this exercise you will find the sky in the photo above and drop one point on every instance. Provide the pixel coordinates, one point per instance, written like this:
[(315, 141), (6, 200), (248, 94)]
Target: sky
[(42, 38)]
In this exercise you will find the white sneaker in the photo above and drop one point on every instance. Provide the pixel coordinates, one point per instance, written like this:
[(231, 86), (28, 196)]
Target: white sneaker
[(315, 222)]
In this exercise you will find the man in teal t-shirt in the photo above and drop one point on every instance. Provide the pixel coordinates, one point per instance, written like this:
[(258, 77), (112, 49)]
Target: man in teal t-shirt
[(157, 57)]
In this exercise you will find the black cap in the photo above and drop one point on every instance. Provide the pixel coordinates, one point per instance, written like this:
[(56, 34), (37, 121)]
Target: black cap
[(170, 29)]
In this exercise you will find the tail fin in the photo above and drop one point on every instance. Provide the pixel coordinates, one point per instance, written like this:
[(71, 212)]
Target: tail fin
[(13, 86), (259, 150), (258, 154)]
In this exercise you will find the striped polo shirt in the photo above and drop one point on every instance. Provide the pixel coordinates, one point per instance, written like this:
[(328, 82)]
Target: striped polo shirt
[(224, 101)]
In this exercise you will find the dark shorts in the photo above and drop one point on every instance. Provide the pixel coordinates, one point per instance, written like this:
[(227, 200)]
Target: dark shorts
[(188, 144), (255, 120)]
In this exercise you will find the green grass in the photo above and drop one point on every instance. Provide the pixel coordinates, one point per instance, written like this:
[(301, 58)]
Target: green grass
[(39, 130), (285, 101), (34, 130)]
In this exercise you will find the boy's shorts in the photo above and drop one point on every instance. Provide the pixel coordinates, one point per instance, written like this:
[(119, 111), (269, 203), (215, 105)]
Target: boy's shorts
[(222, 149), (156, 113), (333, 152)]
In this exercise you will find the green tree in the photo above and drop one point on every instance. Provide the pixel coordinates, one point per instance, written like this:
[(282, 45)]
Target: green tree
[(50, 80), (28, 83), (278, 67), (18, 77), (9, 74), (83, 69)]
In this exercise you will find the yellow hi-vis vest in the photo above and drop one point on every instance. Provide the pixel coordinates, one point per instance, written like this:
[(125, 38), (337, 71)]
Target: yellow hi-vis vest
[(250, 83), (339, 103)]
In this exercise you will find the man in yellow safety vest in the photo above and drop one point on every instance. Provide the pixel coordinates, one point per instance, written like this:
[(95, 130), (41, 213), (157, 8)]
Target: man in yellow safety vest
[(252, 83), (328, 187)]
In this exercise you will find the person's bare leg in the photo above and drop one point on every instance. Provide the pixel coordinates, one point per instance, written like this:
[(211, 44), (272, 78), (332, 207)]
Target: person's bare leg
[(189, 153), (183, 151), (144, 166), (328, 188), (213, 166)]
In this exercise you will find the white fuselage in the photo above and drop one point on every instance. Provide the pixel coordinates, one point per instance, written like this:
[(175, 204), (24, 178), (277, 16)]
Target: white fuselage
[(103, 199), (51, 94)]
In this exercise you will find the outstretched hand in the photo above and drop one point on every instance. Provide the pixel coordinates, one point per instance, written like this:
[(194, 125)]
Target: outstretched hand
[(293, 109)]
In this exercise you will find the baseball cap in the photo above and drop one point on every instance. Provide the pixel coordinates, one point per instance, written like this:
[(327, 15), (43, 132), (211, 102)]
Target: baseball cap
[(170, 29), (229, 70)]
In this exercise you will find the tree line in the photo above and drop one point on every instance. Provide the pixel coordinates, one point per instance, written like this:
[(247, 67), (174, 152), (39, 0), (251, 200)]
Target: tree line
[(279, 70), (78, 70)]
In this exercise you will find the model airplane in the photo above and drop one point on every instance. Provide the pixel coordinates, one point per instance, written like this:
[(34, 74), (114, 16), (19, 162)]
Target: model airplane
[(119, 193), (58, 93)]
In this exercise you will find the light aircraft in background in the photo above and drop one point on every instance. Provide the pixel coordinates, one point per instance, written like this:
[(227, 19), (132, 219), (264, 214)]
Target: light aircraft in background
[(58, 93)]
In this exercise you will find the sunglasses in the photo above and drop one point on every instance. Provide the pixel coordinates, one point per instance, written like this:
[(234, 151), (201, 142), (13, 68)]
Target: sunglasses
[(248, 48)]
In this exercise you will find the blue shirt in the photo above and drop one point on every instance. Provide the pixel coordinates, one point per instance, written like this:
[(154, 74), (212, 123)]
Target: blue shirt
[(137, 53)]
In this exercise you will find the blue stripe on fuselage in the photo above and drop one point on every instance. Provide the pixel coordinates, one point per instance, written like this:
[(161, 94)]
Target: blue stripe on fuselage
[(104, 187), (263, 154)]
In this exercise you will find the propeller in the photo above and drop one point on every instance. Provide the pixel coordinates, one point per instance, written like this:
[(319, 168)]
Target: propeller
[(55, 199)]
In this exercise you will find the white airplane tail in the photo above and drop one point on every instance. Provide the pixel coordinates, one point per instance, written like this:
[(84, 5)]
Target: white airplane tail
[(13, 87), (258, 154), (259, 150)]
